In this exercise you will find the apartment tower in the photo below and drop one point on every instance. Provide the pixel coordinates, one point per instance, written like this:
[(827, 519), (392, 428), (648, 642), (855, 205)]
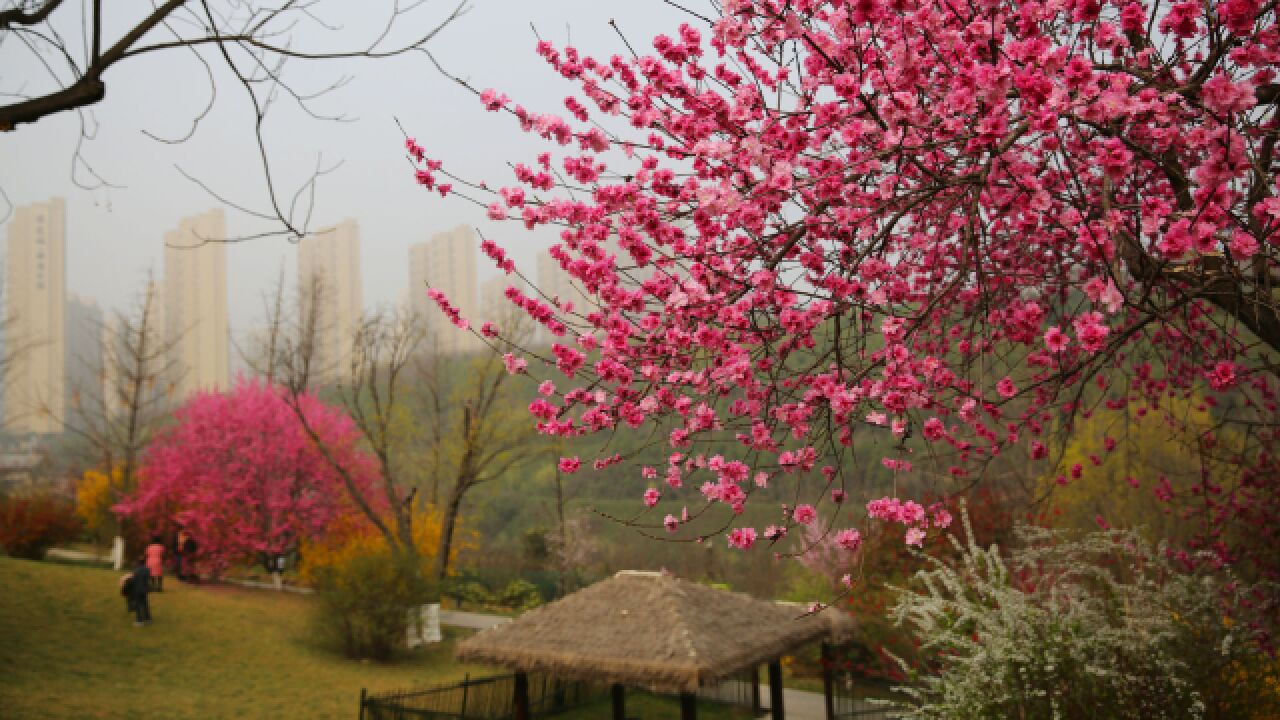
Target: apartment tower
[(36, 290), (329, 276), (447, 262), (195, 303)]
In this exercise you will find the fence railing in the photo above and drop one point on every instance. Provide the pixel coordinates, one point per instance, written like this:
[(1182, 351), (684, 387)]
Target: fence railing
[(484, 698), (493, 698)]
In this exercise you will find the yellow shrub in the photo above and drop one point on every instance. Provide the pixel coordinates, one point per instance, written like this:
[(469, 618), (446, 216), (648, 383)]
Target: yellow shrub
[(95, 494), (353, 536)]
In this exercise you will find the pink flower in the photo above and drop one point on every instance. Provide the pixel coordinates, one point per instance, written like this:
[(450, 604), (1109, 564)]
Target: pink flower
[(493, 100), (651, 497), (515, 365), (570, 465), (742, 538), (546, 388), (934, 430), (1006, 388), (1222, 376), (670, 523), (804, 514), (838, 496), (849, 539), (941, 518), (1102, 522), (915, 536), (1090, 330), (1223, 96)]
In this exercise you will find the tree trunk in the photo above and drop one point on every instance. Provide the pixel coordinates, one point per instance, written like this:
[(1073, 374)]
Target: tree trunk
[(447, 525)]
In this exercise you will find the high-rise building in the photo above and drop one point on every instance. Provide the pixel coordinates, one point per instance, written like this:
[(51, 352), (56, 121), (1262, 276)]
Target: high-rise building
[(329, 275), (84, 353), (35, 384), (556, 285), (494, 304), (195, 303), (447, 262)]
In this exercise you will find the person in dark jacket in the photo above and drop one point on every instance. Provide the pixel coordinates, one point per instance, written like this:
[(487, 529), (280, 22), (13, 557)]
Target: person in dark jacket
[(139, 588)]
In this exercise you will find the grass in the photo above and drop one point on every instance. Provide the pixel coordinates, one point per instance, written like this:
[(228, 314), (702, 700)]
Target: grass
[(68, 650)]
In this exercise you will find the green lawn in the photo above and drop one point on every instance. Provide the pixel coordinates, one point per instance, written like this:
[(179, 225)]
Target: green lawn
[(68, 650)]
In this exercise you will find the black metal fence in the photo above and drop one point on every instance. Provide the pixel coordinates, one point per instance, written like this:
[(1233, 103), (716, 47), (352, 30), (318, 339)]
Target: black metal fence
[(849, 703), (493, 698), (485, 698)]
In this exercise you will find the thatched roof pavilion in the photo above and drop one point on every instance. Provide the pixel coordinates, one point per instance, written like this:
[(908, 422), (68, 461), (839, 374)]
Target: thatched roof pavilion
[(652, 631)]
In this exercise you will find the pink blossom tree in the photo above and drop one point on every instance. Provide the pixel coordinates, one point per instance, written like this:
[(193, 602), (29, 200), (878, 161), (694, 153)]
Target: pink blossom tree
[(799, 222), (239, 473)]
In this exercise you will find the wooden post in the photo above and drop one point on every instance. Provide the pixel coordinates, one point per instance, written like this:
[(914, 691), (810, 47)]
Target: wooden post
[(775, 691), (828, 680), (755, 690), (619, 701), (466, 685), (522, 696), (363, 695), (688, 706), (557, 694)]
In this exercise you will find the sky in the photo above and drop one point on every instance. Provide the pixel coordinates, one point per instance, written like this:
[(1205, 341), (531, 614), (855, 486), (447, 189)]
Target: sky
[(114, 235)]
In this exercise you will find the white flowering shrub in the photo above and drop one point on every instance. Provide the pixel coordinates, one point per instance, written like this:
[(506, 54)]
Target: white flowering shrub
[(1097, 626)]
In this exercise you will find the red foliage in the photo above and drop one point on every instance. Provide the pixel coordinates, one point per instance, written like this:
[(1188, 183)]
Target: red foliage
[(31, 524)]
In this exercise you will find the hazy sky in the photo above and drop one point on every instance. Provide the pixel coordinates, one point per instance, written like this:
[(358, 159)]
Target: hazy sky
[(114, 236)]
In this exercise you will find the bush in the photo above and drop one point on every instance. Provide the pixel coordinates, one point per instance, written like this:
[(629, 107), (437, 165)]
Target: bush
[(31, 524), (1096, 627), (520, 595), (469, 593), (365, 599), (366, 590)]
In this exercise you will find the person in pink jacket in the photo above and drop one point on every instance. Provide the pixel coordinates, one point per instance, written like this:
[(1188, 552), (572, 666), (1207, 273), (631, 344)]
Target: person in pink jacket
[(155, 563)]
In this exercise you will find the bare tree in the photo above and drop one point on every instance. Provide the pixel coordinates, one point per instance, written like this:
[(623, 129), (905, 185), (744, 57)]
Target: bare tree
[(476, 429), (74, 44), (118, 416), (287, 350), (373, 394)]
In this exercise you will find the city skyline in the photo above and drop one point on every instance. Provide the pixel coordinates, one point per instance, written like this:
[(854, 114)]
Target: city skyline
[(69, 333)]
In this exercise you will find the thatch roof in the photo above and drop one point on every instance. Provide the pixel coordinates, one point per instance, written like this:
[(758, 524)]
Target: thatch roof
[(648, 630)]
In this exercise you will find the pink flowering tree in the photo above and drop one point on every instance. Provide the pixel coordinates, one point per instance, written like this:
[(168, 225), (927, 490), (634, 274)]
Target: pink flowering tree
[(239, 473), (803, 222)]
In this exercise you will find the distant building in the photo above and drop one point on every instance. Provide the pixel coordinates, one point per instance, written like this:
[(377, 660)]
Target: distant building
[(494, 304), (35, 386), (447, 262), (556, 285), (84, 353), (329, 261), (195, 303)]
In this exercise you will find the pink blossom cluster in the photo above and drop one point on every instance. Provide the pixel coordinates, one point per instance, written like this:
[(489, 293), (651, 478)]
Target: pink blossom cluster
[(912, 514), (971, 222), (442, 301)]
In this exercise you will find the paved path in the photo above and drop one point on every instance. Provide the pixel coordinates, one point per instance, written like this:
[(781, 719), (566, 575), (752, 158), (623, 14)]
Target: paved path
[(799, 704), (475, 621)]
